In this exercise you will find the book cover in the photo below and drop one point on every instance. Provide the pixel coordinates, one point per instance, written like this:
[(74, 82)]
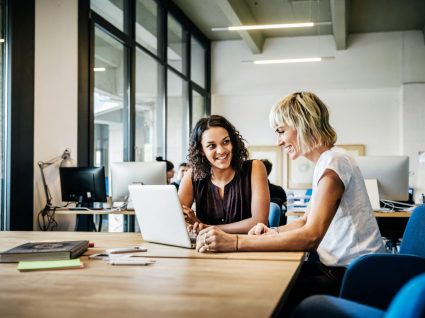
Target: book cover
[(46, 265), (44, 251)]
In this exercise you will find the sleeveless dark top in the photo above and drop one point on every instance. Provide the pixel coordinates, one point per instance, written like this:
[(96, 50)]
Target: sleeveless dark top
[(236, 203)]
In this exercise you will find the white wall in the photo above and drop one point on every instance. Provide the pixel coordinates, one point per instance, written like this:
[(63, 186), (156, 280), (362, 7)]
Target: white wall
[(55, 126), (362, 86)]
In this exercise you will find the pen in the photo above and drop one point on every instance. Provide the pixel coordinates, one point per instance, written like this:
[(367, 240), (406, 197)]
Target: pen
[(130, 262)]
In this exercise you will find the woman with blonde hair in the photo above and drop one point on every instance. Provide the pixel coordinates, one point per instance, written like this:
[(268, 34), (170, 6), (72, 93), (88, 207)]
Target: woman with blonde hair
[(340, 224)]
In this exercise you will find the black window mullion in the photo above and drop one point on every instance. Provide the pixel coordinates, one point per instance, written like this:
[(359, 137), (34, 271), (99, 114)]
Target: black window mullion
[(164, 19), (131, 84), (85, 80)]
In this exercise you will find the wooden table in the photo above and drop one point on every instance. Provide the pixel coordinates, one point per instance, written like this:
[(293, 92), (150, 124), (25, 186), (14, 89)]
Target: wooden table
[(209, 285)]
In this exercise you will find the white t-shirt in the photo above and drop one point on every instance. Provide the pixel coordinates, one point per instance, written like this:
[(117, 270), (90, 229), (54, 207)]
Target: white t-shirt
[(353, 230)]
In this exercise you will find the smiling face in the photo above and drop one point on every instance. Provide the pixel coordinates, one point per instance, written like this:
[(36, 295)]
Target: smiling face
[(217, 147), (287, 139)]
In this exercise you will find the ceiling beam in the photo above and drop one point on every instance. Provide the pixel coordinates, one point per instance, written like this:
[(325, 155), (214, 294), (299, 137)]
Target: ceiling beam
[(339, 12), (238, 13)]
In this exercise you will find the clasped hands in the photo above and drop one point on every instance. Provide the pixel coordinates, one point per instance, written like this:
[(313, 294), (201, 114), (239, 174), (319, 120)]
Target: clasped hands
[(213, 239)]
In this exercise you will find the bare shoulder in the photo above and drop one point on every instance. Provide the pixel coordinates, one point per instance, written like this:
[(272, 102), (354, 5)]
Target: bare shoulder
[(258, 164)]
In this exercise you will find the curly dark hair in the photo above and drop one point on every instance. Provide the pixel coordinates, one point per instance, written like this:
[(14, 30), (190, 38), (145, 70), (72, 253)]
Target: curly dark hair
[(200, 165)]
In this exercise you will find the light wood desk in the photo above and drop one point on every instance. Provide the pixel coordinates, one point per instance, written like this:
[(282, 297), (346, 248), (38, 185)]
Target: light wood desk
[(207, 286)]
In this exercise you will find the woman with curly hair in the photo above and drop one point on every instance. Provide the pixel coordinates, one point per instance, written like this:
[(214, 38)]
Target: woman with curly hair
[(229, 190)]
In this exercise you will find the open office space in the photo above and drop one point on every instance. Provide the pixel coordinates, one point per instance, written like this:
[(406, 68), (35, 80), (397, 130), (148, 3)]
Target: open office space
[(100, 82)]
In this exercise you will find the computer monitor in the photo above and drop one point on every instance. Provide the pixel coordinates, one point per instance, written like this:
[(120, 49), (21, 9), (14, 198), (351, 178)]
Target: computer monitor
[(124, 174), (84, 185), (391, 172)]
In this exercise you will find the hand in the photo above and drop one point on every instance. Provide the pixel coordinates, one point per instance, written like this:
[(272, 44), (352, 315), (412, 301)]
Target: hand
[(189, 215), (196, 227), (212, 239), (261, 229)]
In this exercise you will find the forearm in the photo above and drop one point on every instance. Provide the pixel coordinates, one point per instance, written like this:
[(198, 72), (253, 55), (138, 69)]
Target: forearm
[(295, 240), (293, 225), (239, 227)]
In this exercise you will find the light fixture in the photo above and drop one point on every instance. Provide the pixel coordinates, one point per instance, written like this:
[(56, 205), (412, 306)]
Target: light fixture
[(270, 26), (66, 161), (99, 69), (296, 60)]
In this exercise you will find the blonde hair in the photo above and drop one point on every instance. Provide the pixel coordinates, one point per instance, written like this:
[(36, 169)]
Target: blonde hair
[(305, 112)]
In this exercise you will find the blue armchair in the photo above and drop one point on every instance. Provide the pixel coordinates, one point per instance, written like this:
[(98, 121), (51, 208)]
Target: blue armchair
[(372, 281), (408, 303)]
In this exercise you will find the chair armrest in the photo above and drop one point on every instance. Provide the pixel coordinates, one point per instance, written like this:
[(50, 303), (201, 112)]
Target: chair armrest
[(374, 279)]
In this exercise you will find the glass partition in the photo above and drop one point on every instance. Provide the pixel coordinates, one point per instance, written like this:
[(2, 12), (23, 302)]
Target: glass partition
[(110, 10), (147, 25), (197, 62), (140, 85), (149, 108), (176, 46), (198, 107), (109, 107), (177, 118)]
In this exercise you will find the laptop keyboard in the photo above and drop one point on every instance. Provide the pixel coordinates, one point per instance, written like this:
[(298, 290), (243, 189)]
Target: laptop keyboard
[(193, 237)]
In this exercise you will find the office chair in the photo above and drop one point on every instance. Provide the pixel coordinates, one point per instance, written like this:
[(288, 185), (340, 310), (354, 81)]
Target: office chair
[(407, 303), (373, 280), (275, 212), (366, 275)]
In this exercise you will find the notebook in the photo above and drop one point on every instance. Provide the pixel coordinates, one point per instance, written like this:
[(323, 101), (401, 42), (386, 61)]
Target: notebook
[(160, 215), (373, 193)]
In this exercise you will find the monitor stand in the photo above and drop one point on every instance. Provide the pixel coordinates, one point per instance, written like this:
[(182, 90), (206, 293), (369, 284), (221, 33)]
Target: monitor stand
[(84, 222)]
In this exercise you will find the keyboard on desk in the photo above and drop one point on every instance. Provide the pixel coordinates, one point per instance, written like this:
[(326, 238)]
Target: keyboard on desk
[(80, 208)]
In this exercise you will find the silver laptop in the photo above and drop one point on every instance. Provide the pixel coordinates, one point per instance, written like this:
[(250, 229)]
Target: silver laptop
[(160, 215)]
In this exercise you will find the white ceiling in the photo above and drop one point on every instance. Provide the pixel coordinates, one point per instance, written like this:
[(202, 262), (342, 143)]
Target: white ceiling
[(346, 17)]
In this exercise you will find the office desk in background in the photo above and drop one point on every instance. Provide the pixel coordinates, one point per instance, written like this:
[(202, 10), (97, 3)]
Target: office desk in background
[(391, 224), (378, 214), (182, 283), (85, 222)]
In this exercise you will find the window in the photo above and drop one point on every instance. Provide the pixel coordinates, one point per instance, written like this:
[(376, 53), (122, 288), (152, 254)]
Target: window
[(177, 119), (110, 10), (197, 62), (149, 107), (109, 100), (198, 107), (147, 25), (137, 102), (176, 56)]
